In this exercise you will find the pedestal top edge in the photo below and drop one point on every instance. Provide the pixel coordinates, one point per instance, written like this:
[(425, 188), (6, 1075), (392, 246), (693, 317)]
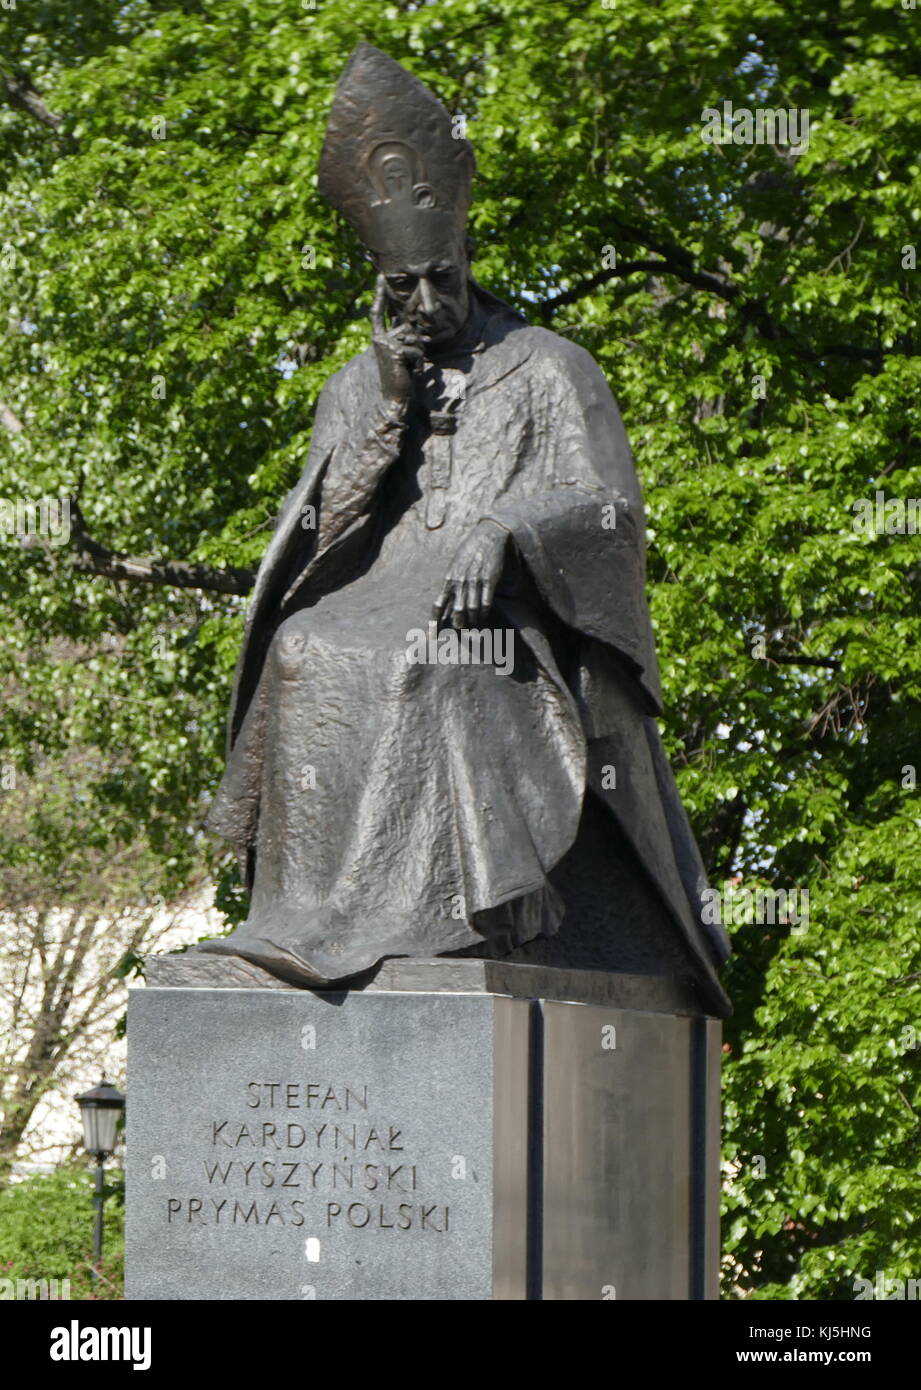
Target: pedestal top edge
[(648, 993)]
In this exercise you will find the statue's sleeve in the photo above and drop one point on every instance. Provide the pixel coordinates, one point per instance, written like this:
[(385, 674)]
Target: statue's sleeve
[(581, 533), (344, 492), (355, 439), (350, 450), (352, 477)]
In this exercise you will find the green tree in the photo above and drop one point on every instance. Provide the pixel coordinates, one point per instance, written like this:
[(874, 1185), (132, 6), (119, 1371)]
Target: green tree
[(77, 912), (177, 292), (46, 1233)]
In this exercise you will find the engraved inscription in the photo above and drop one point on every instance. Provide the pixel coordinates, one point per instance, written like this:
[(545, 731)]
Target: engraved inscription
[(262, 1172)]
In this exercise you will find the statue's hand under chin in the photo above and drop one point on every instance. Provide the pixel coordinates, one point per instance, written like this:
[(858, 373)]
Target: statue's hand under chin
[(398, 350)]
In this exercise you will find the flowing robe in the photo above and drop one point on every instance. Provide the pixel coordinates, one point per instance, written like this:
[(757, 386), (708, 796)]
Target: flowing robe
[(387, 805)]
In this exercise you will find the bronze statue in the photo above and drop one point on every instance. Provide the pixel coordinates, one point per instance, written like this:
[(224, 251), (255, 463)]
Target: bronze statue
[(443, 737)]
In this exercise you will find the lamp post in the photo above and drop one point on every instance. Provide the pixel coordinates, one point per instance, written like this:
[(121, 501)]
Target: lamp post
[(99, 1110)]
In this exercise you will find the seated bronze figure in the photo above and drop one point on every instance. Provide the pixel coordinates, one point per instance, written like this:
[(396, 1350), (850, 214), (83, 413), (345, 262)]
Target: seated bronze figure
[(443, 736)]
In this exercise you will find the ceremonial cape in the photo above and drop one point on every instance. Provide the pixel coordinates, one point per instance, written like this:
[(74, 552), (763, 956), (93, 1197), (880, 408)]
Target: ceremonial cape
[(385, 805)]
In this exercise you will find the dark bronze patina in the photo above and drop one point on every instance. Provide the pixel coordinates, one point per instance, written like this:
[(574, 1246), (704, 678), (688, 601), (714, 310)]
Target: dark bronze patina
[(443, 736)]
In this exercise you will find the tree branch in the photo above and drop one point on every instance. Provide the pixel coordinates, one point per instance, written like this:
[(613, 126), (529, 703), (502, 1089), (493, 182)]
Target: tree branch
[(680, 263), (699, 279), (20, 93), (828, 662), (93, 558)]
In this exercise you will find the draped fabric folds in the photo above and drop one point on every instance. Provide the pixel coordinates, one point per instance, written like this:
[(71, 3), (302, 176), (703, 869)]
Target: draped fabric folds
[(387, 802)]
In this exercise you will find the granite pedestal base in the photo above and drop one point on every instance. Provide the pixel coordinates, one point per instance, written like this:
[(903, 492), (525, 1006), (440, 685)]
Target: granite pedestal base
[(454, 1130)]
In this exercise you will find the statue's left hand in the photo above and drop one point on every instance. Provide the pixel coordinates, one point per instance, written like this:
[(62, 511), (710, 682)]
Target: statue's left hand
[(468, 590)]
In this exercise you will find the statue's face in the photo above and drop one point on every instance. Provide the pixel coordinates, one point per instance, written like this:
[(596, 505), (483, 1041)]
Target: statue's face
[(431, 295)]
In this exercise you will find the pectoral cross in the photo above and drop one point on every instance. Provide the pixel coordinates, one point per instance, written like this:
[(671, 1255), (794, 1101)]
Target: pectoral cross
[(449, 386)]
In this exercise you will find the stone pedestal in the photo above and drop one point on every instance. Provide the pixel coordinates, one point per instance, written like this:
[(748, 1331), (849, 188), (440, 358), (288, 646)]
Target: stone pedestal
[(457, 1129)]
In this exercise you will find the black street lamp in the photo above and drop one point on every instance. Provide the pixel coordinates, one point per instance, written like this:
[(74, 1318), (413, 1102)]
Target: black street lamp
[(100, 1109)]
